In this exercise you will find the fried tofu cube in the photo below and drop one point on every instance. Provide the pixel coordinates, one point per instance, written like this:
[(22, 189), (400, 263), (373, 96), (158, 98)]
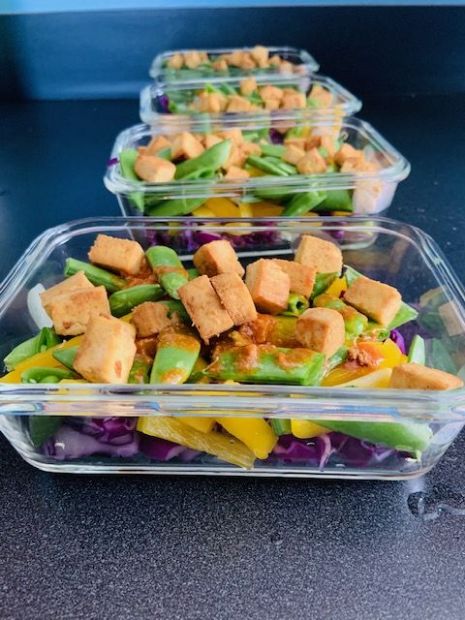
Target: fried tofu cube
[(204, 308), (269, 286), (346, 151), (271, 92), (235, 58), (322, 97), (328, 143), (300, 143), (293, 101), (312, 163), (275, 60), (186, 145), (321, 329), (154, 169), (235, 297), (116, 254), (235, 135), (237, 104), (211, 139), (323, 256), (176, 61), (272, 104), (220, 65), (380, 302), (217, 257), (293, 154), (286, 67), (234, 172), (260, 54), (77, 282), (418, 377), (236, 157), (72, 311), (247, 62), (151, 317), (211, 102), (250, 148), (157, 143), (193, 59), (302, 277), (107, 350), (248, 86)]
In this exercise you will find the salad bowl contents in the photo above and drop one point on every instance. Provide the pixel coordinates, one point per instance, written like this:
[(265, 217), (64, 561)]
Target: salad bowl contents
[(218, 362)]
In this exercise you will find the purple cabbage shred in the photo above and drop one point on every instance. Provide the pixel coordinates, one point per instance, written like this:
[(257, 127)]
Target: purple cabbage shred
[(275, 136), (163, 103), (68, 444), (397, 337)]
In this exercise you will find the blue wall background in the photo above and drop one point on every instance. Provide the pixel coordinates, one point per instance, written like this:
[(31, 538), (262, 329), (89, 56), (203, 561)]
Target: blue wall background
[(106, 54)]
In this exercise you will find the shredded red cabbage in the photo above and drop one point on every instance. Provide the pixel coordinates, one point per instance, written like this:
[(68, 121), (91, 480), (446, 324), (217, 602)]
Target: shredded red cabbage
[(115, 431), (397, 337), (163, 104), (68, 443), (275, 136)]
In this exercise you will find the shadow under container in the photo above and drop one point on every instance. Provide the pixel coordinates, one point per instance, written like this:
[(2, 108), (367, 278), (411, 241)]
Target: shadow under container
[(165, 99), (303, 64), (261, 197), (401, 255)]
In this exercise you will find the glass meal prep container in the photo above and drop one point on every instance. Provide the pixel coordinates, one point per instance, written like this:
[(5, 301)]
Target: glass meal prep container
[(262, 194), (201, 65), (183, 98), (91, 428)]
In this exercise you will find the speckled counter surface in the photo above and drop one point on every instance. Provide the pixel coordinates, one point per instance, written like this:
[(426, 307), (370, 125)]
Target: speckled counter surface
[(86, 547)]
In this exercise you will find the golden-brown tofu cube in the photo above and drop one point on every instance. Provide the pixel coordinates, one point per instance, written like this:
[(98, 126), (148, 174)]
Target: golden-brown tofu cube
[(301, 277), (328, 143), (193, 59), (72, 311), (250, 148), (271, 92), (323, 256), (211, 102), (321, 329), (107, 351), (154, 169), (234, 172), (377, 300), (300, 143), (176, 61), (77, 282), (157, 143), (346, 151), (237, 104), (236, 157), (293, 154), (117, 254), (293, 101), (247, 62), (204, 308), (321, 96), (418, 377), (235, 135), (286, 67), (312, 163), (272, 104), (211, 139), (151, 317), (260, 54), (275, 60), (269, 286), (248, 86), (235, 297), (217, 257), (220, 65), (186, 145)]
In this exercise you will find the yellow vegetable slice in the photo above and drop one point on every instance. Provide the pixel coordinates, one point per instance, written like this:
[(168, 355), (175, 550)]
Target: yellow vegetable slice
[(225, 448), (304, 429), (336, 288), (203, 212), (377, 379), (255, 433), (222, 207), (266, 209), (202, 424)]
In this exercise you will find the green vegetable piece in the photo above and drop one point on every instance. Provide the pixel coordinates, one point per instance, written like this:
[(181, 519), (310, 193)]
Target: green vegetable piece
[(98, 276), (41, 427), (273, 150), (175, 207), (44, 340), (169, 269), (355, 322), (336, 200), (300, 204), (212, 159), (127, 161), (193, 273), (416, 352), (282, 366), (271, 165), (281, 426), (175, 306), (296, 305), (43, 374), (227, 89), (338, 358), (174, 360), (322, 282), (273, 193), (66, 356), (140, 371), (122, 302), (406, 436), (165, 153), (440, 357)]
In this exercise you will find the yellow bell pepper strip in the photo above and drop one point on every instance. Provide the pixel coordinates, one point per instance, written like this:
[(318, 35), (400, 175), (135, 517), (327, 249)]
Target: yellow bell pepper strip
[(281, 426), (224, 447), (304, 429), (337, 287), (266, 209), (203, 212), (376, 379), (255, 433), (41, 359), (222, 207), (245, 209), (202, 424)]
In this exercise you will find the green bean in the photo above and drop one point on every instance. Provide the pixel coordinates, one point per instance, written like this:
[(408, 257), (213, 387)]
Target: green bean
[(338, 358), (66, 356), (43, 374), (168, 268), (267, 364), (354, 321), (193, 273), (127, 161), (122, 302), (416, 352), (271, 165), (322, 282), (44, 340), (177, 352), (98, 276), (175, 207), (227, 89), (140, 371), (300, 204), (212, 159), (296, 305), (175, 307), (273, 193), (164, 153), (336, 200), (281, 426), (273, 150)]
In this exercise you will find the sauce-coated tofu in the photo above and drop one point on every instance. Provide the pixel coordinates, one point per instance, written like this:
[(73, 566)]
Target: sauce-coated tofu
[(76, 282), (204, 308), (117, 254), (154, 169), (292, 101), (151, 317), (186, 145), (157, 143), (248, 86), (211, 139), (302, 277), (235, 297), (312, 163), (217, 257), (377, 300), (292, 154), (234, 172), (418, 377), (107, 350), (236, 104), (323, 256), (72, 311), (271, 92), (260, 54), (269, 286), (321, 329)]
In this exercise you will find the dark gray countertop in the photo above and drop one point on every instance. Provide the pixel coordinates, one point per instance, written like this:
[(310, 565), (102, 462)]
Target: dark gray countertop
[(88, 547)]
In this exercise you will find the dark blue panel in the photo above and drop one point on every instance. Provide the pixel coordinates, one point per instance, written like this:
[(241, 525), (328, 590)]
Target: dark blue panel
[(107, 54)]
